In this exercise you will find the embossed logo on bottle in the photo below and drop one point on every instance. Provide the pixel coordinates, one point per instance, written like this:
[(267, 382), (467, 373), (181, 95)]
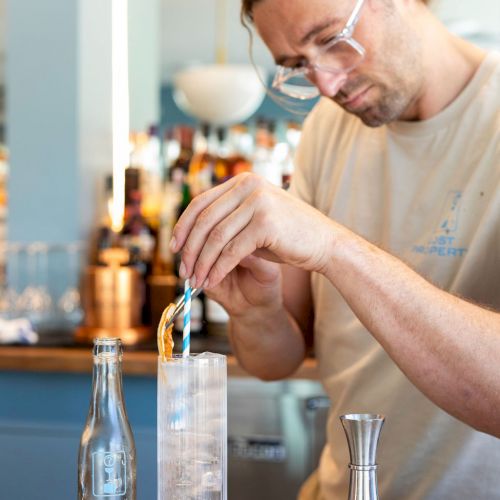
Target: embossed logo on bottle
[(109, 473)]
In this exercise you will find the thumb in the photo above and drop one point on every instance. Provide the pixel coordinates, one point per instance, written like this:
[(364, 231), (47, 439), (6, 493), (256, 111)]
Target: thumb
[(261, 269)]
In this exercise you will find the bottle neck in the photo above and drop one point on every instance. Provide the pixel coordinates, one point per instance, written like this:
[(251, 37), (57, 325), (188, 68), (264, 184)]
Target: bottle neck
[(107, 394)]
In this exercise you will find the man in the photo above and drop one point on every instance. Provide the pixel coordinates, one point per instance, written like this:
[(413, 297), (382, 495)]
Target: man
[(389, 241)]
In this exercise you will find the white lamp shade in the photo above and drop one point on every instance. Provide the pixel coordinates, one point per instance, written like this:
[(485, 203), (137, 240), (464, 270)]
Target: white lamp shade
[(219, 94)]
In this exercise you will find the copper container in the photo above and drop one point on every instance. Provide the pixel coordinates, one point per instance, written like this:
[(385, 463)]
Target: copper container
[(112, 299)]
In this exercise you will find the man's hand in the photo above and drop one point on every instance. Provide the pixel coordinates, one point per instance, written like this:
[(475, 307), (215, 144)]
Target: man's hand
[(247, 216), (252, 288)]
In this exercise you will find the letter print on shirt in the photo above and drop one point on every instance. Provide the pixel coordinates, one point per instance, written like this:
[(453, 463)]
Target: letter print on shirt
[(444, 242)]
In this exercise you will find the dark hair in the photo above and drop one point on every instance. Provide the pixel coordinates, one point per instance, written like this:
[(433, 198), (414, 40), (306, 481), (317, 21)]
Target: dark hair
[(247, 7), (246, 18), (246, 11)]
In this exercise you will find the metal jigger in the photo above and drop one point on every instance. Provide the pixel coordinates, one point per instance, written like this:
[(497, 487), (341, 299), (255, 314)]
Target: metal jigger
[(362, 431)]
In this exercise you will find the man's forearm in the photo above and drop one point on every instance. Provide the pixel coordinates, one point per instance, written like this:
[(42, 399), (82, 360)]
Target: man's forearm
[(447, 347), (267, 344)]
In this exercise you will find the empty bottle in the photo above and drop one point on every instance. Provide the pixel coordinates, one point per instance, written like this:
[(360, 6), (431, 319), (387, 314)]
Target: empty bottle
[(107, 458), (362, 431)]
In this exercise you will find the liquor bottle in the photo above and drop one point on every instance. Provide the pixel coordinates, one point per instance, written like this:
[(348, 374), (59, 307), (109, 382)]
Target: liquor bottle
[(263, 162), (184, 136), (3, 215), (201, 167), (198, 314), (137, 235), (241, 147), (146, 158), (170, 151), (107, 457), (105, 238), (222, 170), (140, 239), (216, 318), (292, 137), (171, 200)]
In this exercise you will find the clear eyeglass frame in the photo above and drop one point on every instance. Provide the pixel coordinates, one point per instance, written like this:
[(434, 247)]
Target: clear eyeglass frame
[(294, 82)]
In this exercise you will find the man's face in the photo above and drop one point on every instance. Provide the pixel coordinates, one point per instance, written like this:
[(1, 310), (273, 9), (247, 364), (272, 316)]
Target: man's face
[(384, 87)]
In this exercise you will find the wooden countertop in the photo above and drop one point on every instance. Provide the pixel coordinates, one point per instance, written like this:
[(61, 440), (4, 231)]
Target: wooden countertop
[(79, 360)]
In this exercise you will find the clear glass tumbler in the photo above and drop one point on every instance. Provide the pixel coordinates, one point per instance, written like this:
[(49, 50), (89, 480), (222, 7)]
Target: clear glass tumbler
[(192, 427)]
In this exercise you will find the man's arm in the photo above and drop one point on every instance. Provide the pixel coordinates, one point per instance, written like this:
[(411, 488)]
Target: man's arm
[(448, 347), (271, 343)]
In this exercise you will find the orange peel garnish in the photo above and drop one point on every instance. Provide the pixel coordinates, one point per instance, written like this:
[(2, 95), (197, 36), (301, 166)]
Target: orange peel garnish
[(164, 335)]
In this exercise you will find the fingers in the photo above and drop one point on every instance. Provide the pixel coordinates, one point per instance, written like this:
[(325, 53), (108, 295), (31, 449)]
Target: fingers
[(212, 228), (213, 245), (223, 226), (201, 203), (197, 205), (239, 247)]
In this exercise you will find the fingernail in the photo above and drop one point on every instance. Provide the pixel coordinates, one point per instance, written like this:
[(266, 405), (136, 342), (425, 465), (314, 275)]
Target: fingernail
[(192, 281), (182, 270), (173, 244), (205, 283)]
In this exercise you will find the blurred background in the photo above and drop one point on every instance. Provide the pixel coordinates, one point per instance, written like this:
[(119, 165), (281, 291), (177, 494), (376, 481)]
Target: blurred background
[(198, 115), (55, 85)]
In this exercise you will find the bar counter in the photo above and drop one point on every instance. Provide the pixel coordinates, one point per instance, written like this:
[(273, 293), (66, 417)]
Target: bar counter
[(79, 360), (45, 392)]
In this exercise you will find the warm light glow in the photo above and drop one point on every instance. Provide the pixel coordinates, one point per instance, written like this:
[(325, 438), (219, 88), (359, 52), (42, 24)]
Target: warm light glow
[(120, 107), (220, 33)]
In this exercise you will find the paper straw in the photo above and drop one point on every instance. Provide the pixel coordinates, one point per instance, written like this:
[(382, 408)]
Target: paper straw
[(186, 333)]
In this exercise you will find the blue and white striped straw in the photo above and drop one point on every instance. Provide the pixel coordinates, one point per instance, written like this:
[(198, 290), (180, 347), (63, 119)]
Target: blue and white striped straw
[(186, 333)]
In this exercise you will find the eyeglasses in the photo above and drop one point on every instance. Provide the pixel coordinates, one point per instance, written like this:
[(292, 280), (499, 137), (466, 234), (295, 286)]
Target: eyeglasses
[(339, 55)]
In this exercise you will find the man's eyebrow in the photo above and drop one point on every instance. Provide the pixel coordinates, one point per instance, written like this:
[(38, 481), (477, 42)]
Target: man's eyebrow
[(318, 28)]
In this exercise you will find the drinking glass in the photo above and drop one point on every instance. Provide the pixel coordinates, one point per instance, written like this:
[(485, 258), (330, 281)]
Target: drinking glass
[(192, 427), (69, 303), (9, 264), (35, 301)]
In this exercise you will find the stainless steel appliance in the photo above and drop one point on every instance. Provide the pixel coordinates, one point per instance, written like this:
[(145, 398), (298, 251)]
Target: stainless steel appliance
[(276, 431)]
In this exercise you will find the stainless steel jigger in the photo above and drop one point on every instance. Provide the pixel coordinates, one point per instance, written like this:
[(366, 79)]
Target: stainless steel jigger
[(362, 431)]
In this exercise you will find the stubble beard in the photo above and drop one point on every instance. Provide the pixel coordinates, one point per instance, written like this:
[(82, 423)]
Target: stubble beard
[(397, 85), (389, 107), (387, 102)]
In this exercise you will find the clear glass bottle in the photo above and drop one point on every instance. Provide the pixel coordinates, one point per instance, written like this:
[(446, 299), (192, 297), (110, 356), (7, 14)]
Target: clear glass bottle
[(107, 458)]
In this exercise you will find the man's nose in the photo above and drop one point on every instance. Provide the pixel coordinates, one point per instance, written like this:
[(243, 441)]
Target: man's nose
[(328, 83)]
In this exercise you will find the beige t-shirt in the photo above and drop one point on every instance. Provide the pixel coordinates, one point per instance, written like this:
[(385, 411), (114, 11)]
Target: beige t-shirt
[(429, 193)]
